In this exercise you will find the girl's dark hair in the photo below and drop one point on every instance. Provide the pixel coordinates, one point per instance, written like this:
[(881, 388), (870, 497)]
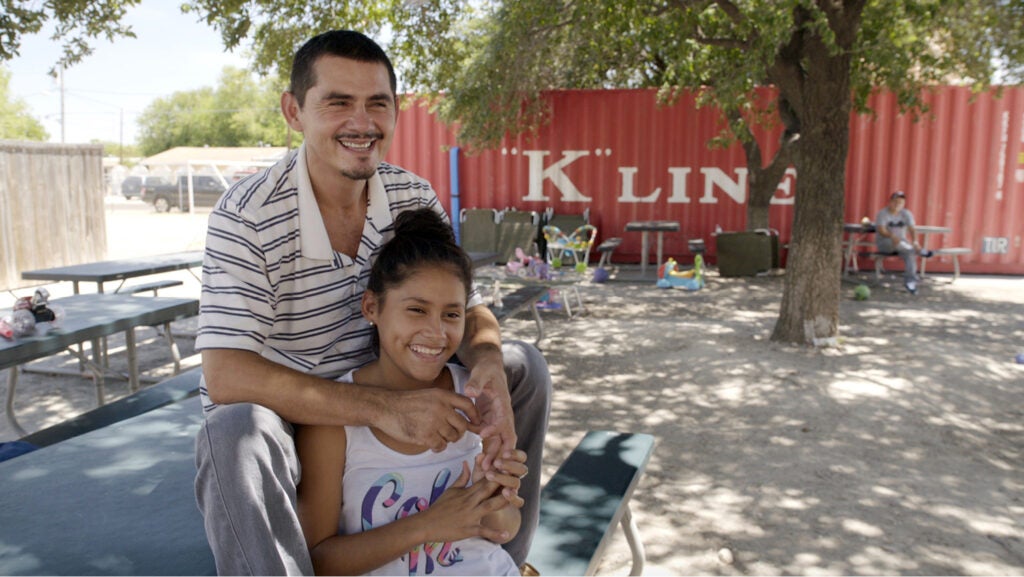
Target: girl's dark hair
[(422, 239)]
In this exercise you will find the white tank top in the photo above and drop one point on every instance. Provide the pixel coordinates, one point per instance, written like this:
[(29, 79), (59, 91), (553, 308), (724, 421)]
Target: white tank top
[(382, 485)]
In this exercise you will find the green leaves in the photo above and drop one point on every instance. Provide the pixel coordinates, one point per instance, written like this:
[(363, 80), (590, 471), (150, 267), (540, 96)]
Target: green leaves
[(16, 123), (75, 24), (240, 111)]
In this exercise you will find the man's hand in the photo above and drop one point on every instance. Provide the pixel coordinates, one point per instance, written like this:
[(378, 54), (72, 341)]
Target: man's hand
[(431, 417), (508, 471), (489, 386)]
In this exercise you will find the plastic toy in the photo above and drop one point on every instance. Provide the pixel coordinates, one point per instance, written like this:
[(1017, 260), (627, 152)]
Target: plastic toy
[(551, 300), (862, 292), (577, 244), (601, 275), (670, 276), (532, 267)]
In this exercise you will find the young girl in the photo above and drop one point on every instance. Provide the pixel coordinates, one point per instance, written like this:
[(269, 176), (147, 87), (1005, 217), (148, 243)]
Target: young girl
[(371, 504)]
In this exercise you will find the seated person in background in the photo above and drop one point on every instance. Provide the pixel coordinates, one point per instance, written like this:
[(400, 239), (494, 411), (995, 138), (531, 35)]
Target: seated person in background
[(895, 233), (403, 509)]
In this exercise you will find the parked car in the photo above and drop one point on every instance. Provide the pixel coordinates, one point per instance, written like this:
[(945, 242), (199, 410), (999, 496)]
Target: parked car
[(135, 186), (206, 190)]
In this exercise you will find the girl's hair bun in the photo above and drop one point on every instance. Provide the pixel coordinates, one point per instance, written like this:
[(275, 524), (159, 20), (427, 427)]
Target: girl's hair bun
[(422, 238)]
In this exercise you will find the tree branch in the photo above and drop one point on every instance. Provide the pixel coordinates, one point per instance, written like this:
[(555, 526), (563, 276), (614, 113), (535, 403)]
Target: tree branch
[(731, 10)]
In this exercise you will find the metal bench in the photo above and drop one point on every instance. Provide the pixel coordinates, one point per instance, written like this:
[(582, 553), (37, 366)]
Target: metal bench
[(954, 252), (154, 286), (606, 249), (99, 492), (585, 499), (519, 299), (879, 258), (165, 392)]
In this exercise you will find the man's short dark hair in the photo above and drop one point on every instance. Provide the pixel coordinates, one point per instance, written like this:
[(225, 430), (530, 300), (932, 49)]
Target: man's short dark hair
[(343, 43)]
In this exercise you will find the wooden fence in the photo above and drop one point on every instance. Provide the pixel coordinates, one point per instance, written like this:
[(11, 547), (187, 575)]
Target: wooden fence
[(51, 207)]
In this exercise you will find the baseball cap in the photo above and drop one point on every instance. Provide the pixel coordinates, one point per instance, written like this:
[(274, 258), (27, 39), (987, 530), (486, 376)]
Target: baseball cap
[(898, 194)]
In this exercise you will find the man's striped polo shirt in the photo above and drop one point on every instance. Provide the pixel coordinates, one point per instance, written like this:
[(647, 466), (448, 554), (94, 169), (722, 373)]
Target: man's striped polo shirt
[(273, 285)]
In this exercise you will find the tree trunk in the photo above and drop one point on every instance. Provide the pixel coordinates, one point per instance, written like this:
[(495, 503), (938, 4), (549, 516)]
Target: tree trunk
[(758, 205), (810, 301), (763, 183), (820, 96), (762, 180)]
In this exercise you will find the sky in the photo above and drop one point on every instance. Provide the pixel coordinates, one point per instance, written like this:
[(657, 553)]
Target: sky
[(172, 52)]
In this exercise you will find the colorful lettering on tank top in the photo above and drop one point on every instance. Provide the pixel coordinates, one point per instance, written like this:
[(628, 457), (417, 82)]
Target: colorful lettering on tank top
[(378, 497)]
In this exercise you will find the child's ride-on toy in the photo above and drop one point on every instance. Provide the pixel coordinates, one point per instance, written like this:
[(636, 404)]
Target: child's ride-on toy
[(669, 276)]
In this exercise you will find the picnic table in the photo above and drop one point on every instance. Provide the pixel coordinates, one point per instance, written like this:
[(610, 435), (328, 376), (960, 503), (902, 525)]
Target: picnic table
[(90, 317), (857, 236), (118, 270), (646, 227), (926, 230)]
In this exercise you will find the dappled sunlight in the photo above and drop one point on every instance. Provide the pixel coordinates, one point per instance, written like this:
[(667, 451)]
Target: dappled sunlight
[(791, 499), (853, 460), (998, 525), (859, 527), (881, 560), (20, 561), (851, 390), (724, 507)]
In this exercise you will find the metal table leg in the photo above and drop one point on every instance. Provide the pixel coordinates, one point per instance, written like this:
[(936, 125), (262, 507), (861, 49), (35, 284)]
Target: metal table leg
[(644, 242), (12, 382)]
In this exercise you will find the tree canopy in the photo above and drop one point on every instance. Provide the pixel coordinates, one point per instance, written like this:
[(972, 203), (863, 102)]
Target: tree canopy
[(16, 122), (239, 111), (75, 24)]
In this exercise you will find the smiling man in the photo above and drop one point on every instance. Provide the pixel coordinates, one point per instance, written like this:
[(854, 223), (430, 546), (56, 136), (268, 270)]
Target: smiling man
[(288, 255)]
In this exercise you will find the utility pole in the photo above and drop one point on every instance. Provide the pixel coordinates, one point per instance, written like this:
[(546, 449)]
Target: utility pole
[(63, 117)]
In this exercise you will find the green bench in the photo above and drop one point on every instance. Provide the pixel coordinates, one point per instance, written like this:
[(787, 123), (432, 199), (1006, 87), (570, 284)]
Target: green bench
[(129, 469), (525, 296), (154, 286), (172, 390), (584, 501)]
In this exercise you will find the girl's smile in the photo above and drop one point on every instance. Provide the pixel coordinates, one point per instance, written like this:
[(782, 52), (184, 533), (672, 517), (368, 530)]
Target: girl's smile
[(420, 324)]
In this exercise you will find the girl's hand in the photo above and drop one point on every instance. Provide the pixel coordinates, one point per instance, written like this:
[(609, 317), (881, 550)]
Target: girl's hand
[(508, 470), (459, 511)]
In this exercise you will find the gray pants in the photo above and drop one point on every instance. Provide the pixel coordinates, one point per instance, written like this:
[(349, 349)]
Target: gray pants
[(909, 256), (248, 471)]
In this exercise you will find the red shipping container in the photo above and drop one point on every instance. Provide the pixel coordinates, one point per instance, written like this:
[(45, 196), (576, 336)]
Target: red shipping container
[(625, 157)]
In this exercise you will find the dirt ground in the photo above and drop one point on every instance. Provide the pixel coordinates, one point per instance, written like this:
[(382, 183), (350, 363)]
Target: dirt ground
[(899, 452)]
